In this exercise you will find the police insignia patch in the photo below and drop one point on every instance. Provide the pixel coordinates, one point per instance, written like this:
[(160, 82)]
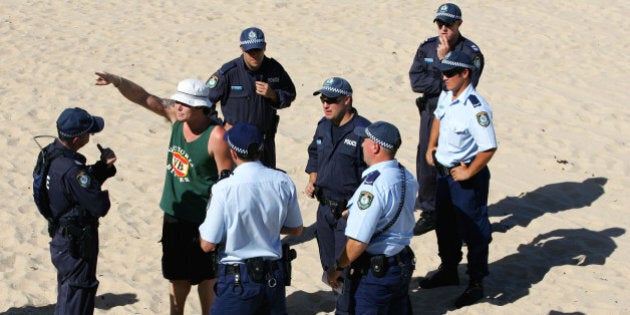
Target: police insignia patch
[(212, 82), (83, 179), (477, 62), (483, 119), (365, 200)]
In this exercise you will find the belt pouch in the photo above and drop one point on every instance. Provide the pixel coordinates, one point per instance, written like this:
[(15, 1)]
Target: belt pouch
[(255, 269), (378, 264)]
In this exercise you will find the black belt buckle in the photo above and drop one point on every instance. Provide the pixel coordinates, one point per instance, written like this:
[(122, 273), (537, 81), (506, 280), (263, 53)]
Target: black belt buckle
[(234, 269), (441, 169)]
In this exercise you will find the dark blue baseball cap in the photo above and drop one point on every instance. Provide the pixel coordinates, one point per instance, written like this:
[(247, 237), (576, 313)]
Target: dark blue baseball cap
[(242, 136), (252, 38), (74, 122), (381, 132), (456, 59), (334, 87), (448, 13)]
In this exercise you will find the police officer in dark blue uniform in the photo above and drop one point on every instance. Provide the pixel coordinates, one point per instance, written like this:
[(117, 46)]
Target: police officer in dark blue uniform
[(334, 166), (77, 202), (251, 88), (379, 228), (426, 78)]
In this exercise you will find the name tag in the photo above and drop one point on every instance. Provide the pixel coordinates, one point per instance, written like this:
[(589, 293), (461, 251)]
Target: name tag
[(428, 59), (273, 80), (237, 87)]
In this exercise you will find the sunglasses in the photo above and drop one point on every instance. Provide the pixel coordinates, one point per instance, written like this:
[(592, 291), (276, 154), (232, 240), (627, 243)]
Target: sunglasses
[(330, 100), (440, 24), (451, 72)]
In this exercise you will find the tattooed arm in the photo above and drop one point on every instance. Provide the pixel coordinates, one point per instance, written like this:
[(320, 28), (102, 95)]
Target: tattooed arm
[(138, 95)]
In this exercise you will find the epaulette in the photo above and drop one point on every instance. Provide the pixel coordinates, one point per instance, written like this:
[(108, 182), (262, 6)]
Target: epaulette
[(428, 40), (370, 178), (472, 98), (321, 120), (280, 170), (226, 67), (471, 45)]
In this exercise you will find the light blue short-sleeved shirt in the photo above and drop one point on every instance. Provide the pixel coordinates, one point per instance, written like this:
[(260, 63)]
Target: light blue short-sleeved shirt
[(247, 211), (465, 127), (375, 203)]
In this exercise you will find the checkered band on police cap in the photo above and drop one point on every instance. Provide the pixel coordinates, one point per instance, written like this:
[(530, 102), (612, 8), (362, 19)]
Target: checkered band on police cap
[(381, 132), (241, 136)]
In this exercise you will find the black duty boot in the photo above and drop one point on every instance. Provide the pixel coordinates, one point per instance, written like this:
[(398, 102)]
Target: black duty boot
[(425, 223), (443, 277), (473, 293)]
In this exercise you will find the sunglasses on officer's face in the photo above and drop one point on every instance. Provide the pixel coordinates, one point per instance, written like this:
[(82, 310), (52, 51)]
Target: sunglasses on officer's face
[(330, 100), (440, 24), (451, 72)]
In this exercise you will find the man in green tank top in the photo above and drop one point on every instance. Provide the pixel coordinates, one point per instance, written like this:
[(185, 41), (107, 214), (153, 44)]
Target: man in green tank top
[(196, 154)]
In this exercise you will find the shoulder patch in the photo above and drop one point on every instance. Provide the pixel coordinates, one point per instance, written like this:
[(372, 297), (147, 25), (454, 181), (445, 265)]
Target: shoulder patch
[(477, 62), (226, 67), (212, 81), (483, 119), (370, 178), (83, 179), (365, 200), (474, 100)]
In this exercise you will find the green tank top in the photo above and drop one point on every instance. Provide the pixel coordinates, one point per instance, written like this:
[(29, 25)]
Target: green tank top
[(190, 174)]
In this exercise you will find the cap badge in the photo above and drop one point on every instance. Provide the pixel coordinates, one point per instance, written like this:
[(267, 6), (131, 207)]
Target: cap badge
[(252, 35)]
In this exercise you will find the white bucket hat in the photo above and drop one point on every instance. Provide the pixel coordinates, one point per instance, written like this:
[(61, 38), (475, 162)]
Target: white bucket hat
[(192, 92)]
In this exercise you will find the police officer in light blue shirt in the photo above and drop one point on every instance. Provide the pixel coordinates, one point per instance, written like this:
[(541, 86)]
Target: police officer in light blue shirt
[(379, 229), (426, 78), (461, 144), (246, 215)]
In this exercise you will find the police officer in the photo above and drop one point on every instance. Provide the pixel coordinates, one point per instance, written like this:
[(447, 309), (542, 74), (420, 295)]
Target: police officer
[(380, 226), (462, 143), (246, 215), (426, 78), (251, 88), (334, 166), (77, 202)]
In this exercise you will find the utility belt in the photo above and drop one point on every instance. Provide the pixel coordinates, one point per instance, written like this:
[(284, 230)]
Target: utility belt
[(82, 237), (379, 264), (441, 169), (257, 270), (337, 207)]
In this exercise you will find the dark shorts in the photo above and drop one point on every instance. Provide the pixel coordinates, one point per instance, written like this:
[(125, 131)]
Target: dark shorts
[(182, 257)]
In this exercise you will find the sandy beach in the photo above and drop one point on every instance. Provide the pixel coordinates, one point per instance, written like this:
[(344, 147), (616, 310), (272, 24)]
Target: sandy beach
[(554, 77)]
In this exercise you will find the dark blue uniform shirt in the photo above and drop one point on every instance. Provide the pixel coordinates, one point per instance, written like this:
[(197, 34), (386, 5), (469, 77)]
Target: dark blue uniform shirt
[(73, 185), (234, 86), (338, 164), (424, 74)]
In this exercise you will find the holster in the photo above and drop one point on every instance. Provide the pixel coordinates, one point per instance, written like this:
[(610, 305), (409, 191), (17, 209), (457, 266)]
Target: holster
[(288, 255), (82, 239), (421, 103)]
